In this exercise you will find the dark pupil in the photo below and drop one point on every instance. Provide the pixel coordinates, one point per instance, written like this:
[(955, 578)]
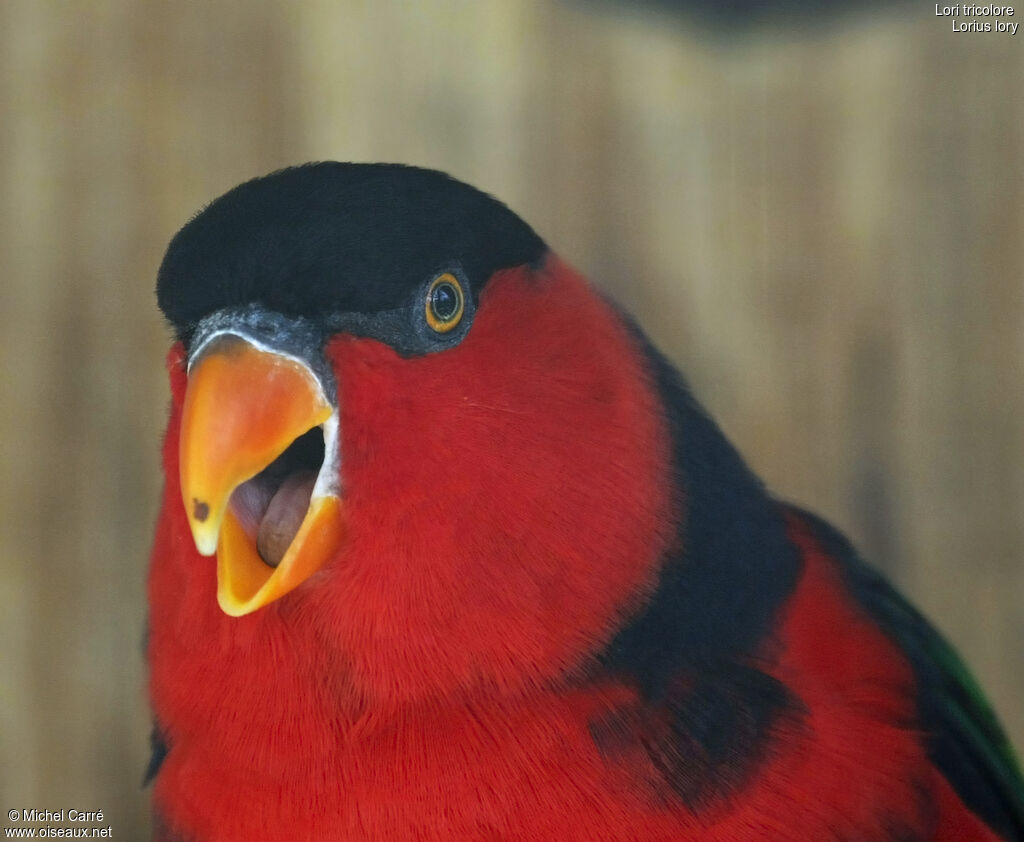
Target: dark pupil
[(444, 301)]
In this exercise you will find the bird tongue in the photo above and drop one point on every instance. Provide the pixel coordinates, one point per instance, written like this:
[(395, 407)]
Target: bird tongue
[(284, 516)]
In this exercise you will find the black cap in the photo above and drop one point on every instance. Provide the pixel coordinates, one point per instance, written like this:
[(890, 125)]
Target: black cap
[(330, 238)]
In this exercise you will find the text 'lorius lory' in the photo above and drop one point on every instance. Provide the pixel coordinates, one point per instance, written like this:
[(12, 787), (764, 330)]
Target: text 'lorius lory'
[(449, 552)]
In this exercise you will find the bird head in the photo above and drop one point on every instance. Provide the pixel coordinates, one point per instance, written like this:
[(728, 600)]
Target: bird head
[(402, 427)]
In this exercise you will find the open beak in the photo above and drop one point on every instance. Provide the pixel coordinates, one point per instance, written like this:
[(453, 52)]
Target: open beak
[(254, 479)]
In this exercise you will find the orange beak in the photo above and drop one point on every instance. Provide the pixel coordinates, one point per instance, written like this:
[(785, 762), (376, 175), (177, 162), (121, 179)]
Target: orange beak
[(244, 406)]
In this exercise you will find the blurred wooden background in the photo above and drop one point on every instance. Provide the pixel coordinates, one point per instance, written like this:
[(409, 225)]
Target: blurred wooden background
[(822, 226)]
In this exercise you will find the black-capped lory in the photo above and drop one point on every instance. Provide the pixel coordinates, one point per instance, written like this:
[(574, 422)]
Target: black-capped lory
[(448, 551)]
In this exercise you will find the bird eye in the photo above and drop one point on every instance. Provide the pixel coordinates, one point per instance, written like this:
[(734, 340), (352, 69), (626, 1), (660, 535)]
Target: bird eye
[(445, 303)]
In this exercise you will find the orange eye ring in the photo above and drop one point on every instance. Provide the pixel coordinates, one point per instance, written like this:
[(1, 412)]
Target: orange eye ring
[(445, 303)]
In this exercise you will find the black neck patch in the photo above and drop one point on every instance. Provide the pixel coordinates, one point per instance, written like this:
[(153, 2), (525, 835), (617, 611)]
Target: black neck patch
[(707, 717), (734, 566), (325, 239)]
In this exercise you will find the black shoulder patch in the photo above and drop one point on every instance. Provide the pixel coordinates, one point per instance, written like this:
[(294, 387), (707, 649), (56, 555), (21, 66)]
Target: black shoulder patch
[(705, 738), (964, 738), (331, 238), (721, 587)]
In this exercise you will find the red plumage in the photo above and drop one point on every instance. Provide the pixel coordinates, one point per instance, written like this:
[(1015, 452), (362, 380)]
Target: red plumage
[(415, 690), (512, 504)]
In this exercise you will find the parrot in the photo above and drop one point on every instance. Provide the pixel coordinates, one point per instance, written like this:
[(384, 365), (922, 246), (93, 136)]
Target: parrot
[(448, 550)]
